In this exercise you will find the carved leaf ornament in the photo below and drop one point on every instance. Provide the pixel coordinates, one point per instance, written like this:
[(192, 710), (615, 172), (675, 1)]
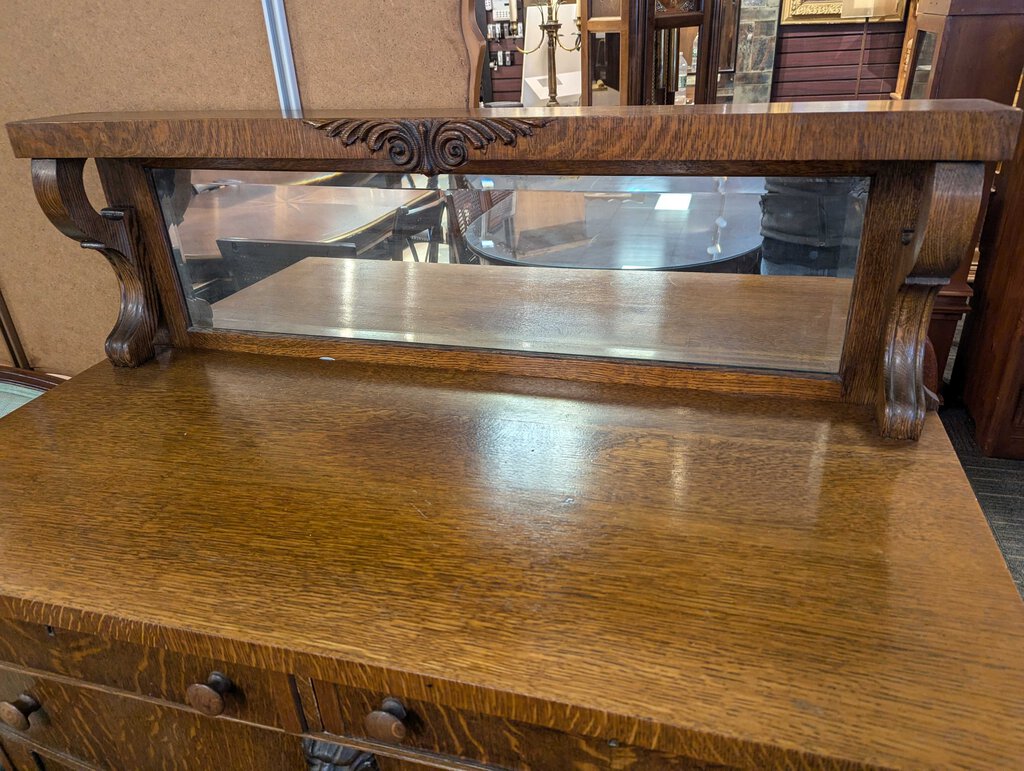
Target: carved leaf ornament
[(429, 146)]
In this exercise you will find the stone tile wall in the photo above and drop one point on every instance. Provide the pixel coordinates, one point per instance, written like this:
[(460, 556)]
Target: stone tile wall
[(755, 51)]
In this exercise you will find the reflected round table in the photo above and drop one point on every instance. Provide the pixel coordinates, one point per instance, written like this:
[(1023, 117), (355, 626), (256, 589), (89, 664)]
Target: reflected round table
[(684, 231)]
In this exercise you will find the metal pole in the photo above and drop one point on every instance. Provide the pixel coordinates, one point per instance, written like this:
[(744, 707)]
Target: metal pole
[(551, 30), (281, 57)]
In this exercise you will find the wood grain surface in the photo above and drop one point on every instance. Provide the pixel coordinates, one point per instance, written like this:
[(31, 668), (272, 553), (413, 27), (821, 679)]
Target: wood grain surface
[(127, 185), (887, 250), (946, 232), (749, 582), (582, 369), (608, 138), (24, 755), (755, 322), (444, 731)]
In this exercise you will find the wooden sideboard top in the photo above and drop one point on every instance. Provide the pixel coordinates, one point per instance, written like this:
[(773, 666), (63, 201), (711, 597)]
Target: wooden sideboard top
[(665, 138), (755, 581)]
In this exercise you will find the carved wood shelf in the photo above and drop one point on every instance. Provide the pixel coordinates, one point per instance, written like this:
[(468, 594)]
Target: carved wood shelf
[(923, 159)]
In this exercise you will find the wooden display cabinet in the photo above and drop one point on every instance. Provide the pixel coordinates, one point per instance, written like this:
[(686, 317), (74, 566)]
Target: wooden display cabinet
[(393, 519), (612, 18), (961, 49), (993, 365), (646, 43)]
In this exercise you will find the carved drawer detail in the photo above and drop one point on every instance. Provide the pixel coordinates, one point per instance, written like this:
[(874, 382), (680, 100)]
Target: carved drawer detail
[(252, 695)]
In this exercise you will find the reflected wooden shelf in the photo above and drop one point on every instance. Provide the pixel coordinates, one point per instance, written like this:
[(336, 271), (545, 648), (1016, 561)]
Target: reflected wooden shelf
[(604, 24), (758, 322), (677, 19)]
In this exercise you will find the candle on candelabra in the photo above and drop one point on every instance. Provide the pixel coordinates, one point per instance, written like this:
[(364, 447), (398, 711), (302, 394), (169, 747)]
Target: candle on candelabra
[(513, 10)]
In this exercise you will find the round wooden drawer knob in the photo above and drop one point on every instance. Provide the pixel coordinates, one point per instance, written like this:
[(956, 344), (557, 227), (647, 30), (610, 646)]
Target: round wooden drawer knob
[(387, 724), (208, 697), (15, 713)]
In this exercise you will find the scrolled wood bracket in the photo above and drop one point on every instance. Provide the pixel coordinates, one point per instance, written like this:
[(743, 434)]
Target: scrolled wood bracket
[(60, 190), (328, 756), (429, 145), (943, 236)]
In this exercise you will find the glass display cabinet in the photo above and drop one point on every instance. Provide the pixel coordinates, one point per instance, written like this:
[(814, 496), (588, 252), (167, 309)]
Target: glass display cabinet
[(510, 440)]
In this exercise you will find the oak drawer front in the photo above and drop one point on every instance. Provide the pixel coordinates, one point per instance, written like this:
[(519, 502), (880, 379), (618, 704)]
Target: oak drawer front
[(443, 730), (476, 738), (114, 731), (455, 735), (253, 695)]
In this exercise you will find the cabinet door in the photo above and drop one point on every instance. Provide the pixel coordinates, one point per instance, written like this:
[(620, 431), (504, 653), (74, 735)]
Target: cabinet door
[(115, 731)]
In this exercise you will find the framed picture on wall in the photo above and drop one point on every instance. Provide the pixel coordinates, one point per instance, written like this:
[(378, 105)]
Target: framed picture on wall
[(841, 11)]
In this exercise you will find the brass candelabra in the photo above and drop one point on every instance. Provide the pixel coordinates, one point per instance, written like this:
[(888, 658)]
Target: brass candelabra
[(551, 28)]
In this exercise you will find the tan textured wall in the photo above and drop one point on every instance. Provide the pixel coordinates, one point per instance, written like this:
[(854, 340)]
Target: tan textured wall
[(68, 56), (382, 54)]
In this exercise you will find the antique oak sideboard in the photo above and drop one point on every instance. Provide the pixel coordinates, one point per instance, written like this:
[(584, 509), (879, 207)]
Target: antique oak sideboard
[(361, 513)]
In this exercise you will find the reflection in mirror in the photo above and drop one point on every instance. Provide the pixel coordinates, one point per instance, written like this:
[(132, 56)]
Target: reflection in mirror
[(746, 272), (921, 77), (604, 69), (609, 9)]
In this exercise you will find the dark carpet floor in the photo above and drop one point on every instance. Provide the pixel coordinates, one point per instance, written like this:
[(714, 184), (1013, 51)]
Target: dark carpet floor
[(999, 486)]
